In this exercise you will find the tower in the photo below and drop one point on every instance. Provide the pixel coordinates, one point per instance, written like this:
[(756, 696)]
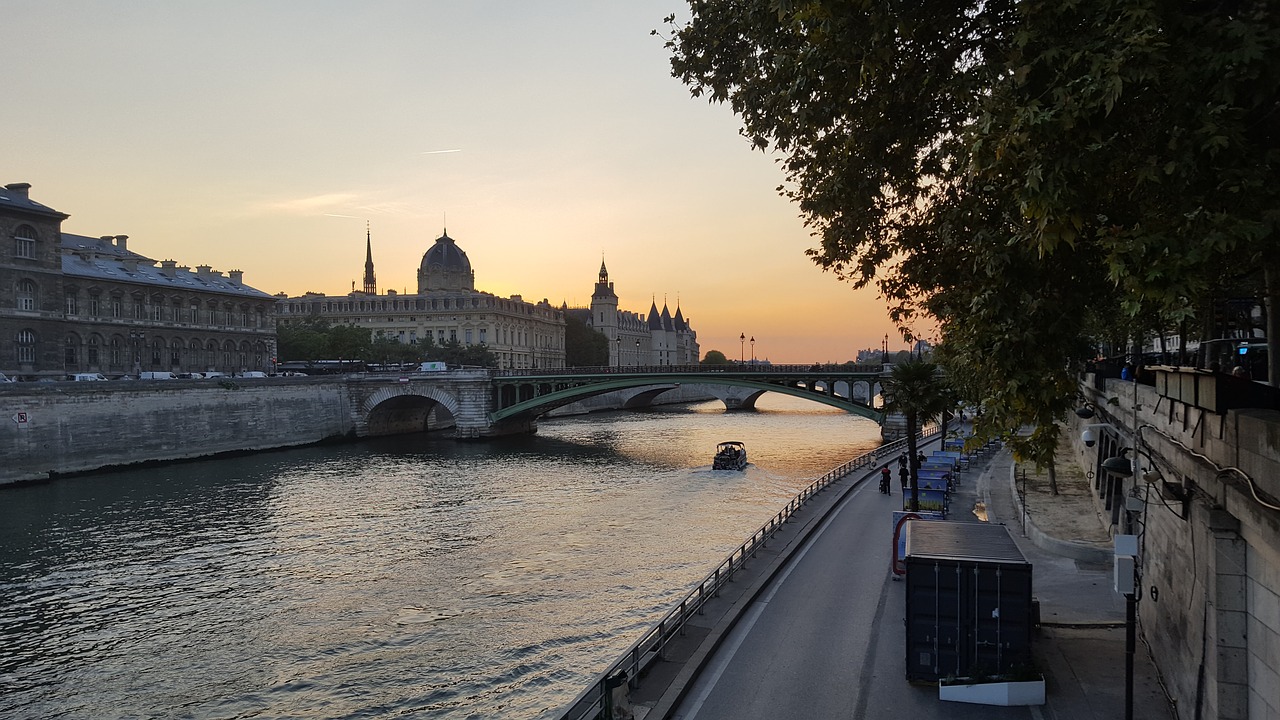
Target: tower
[(370, 282)]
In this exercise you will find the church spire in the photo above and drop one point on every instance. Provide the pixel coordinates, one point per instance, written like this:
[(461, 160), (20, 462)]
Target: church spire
[(370, 282)]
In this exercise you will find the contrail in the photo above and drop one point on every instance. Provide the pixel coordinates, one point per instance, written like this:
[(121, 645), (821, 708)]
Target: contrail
[(353, 217), (438, 152)]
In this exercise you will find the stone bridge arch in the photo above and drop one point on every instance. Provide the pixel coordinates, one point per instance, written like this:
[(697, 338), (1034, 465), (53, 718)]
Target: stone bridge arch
[(406, 408)]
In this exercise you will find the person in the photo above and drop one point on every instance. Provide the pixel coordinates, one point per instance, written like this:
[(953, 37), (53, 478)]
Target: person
[(920, 460), (1240, 372), (903, 476), (884, 480), (902, 460)]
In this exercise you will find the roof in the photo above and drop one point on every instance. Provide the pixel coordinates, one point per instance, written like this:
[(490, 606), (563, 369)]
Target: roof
[(14, 197), (96, 259), (446, 254)]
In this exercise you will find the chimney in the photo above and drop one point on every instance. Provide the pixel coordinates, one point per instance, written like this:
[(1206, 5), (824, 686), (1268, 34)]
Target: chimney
[(203, 271), (235, 276), (169, 268), (19, 189), (121, 242)]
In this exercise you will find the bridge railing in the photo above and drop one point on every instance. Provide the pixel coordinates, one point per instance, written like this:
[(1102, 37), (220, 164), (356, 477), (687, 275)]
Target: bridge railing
[(652, 645), (684, 369)]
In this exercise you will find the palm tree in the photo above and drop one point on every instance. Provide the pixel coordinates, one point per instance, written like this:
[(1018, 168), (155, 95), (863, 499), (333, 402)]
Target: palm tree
[(917, 391)]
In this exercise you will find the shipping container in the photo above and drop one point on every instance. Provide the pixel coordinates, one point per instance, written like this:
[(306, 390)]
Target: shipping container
[(969, 609)]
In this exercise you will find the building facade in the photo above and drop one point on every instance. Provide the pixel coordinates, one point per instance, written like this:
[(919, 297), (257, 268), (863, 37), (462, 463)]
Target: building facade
[(72, 303), (658, 338), (446, 308)]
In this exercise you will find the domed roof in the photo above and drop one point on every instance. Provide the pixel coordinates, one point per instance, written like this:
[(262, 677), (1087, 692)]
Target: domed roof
[(447, 255)]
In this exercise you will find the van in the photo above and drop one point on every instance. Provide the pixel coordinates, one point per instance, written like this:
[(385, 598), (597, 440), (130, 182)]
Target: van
[(88, 377), (432, 367), (162, 375), (252, 374)]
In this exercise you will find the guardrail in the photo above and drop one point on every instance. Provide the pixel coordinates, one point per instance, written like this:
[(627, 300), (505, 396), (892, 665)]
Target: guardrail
[(684, 369), (592, 702)]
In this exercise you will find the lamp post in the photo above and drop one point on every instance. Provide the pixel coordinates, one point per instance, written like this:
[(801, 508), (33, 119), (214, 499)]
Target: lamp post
[(742, 339), (617, 342), (753, 351), (637, 352), (884, 351)]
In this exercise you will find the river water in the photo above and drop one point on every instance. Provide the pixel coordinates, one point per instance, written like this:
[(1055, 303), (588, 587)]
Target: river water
[(400, 577)]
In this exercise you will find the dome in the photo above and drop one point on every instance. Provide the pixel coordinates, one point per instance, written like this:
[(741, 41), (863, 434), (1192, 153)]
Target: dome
[(445, 267)]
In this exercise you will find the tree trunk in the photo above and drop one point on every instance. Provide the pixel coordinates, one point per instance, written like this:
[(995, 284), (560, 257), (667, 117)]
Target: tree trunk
[(1053, 479), (911, 462), (1271, 305)]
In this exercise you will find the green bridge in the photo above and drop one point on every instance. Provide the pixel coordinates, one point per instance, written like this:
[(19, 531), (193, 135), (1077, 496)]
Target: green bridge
[(522, 395)]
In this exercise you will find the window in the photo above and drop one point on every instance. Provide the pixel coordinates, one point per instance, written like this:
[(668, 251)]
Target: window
[(93, 352), (137, 309), (453, 335), (72, 305), (155, 311), (196, 358), (26, 342), (24, 239), (117, 307), (115, 352), (157, 348), (483, 333), (468, 337), (94, 306), (175, 354), (195, 313), (27, 296), (70, 352)]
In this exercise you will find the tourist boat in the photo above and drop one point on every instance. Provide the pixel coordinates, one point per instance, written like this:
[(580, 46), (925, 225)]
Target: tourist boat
[(730, 455)]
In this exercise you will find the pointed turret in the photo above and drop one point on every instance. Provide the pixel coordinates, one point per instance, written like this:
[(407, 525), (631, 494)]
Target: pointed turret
[(370, 282), (655, 318)]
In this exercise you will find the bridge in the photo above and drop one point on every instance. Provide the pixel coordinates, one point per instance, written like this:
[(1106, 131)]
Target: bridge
[(484, 403)]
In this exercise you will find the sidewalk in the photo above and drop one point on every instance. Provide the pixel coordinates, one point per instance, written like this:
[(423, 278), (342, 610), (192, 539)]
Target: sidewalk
[(1081, 645)]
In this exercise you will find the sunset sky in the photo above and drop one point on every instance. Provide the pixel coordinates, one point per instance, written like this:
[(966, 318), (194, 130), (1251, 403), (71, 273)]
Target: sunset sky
[(262, 137)]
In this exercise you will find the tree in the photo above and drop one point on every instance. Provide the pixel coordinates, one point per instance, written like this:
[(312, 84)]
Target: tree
[(583, 346), (714, 357), (917, 391), (348, 342), (1021, 172), (307, 341)]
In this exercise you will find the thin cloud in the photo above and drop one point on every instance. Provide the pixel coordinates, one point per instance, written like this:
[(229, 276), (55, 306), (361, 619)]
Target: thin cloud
[(440, 152)]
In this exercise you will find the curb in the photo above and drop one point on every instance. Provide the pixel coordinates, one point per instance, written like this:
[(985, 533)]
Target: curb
[(1074, 549)]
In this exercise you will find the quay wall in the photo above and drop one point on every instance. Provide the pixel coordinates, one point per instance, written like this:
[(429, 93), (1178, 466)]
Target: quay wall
[(59, 428), (1209, 527)]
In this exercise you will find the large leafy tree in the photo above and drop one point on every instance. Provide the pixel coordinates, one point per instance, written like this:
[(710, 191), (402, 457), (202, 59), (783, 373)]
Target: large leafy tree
[(583, 346), (1024, 173)]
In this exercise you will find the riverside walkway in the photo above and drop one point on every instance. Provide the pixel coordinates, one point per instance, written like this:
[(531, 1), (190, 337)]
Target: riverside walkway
[(815, 627)]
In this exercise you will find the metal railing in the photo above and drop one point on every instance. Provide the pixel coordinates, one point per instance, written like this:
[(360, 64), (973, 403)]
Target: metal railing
[(652, 645)]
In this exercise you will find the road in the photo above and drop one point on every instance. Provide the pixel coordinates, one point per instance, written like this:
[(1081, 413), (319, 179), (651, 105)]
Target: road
[(826, 639)]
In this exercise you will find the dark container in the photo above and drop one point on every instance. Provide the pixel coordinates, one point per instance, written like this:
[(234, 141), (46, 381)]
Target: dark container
[(969, 606)]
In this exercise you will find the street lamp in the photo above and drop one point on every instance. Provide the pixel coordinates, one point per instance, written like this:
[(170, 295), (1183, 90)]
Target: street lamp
[(742, 339), (753, 351), (618, 347), (637, 352)]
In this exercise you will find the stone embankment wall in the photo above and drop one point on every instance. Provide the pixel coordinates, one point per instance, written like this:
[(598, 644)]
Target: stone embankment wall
[(60, 428), (1210, 543)]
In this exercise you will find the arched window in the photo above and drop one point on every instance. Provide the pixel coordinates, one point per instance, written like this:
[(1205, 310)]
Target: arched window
[(196, 358), (157, 350), (26, 342), (92, 352), (71, 352), (115, 352), (175, 353), (24, 239), (27, 295)]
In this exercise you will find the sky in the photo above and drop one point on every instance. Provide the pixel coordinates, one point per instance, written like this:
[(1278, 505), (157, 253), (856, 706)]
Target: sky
[(545, 136)]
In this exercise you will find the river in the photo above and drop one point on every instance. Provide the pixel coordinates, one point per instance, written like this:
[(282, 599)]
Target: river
[(398, 577)]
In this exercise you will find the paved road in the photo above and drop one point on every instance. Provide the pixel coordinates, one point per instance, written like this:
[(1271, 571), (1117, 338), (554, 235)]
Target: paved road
[(811, 645)]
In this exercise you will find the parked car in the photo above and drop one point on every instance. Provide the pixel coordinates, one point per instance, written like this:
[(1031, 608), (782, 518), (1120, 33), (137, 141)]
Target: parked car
[(158, 375), (214, 374), (190, 376), (6, 379), (252, 374), (87, 377)]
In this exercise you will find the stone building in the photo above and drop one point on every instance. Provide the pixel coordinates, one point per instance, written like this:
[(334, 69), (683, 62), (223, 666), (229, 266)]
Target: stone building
[(72, 303), (658, 338), (446, 308)]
